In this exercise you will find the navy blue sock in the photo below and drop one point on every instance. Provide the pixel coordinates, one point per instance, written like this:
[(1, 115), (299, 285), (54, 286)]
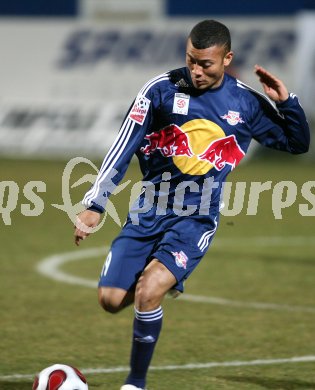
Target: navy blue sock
[(146, 330)]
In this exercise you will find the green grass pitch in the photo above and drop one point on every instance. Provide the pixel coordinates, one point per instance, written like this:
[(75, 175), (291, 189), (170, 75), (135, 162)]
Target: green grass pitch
[(258, 281)]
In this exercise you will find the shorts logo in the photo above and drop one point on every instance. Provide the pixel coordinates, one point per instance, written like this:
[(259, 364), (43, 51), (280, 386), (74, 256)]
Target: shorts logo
[(181, 259), (140, 109), (232, 118), (181, 103)]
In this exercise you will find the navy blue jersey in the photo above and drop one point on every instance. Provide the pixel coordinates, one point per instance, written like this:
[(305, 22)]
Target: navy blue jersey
[(191, 139)]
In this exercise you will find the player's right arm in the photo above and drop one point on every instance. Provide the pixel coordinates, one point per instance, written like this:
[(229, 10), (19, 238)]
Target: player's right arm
[(111, 172), (135, 125), (85, 222)]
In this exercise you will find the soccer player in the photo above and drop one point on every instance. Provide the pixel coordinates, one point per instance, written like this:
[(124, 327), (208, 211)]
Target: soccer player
[(189, 128)]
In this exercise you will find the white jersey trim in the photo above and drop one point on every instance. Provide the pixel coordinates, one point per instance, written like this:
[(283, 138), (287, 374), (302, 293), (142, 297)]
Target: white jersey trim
[(204, 240), (245, 86)]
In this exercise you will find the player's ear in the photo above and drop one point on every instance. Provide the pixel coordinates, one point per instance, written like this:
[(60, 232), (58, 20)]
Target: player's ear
[(228, 58)]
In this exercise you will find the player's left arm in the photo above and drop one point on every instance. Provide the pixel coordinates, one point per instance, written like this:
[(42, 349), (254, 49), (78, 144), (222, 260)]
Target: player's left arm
[(285, 128)]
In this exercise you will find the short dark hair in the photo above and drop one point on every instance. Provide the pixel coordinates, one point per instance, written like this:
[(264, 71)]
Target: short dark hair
[(210, 33)]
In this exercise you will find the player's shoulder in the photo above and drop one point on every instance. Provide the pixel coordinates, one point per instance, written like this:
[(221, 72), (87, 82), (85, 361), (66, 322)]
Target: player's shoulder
[(251, 100), (161, 87), (158, 82), (252, 96), (178, 77)]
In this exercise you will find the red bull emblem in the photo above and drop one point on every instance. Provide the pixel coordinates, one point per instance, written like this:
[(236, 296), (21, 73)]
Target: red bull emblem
[(173, 141), (180, 259), (232, 118), (170, 141), (223, 151)]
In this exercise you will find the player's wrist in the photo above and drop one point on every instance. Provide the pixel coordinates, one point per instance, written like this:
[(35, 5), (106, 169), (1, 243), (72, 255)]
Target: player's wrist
[(283, 101), (96, 209)]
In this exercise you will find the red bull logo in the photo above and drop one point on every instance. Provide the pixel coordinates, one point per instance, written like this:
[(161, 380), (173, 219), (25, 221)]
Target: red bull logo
[(170, 141), (223, 151), (232, 118), (181, 259), (196, 147)]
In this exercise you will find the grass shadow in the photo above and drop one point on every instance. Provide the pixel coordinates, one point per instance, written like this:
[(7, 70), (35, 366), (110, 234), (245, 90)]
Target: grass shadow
[(271, 383), (6, 385)]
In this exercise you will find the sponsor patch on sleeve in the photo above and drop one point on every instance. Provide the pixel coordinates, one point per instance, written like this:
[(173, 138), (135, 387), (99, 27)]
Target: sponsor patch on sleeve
[(139, 110)]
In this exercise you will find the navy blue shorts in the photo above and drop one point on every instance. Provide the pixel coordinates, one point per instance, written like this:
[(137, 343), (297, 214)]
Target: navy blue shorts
[(177, 242)]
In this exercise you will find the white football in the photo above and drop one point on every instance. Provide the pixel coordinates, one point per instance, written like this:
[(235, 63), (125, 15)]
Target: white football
[(60, 377)]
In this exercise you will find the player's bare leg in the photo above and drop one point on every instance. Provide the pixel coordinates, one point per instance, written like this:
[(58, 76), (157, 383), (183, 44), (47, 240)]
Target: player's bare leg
[(153, 284), (155, 281), (114, 299)]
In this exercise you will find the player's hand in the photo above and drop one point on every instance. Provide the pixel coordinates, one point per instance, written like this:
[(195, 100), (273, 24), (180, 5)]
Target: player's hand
[(274, 88), (84, 224)]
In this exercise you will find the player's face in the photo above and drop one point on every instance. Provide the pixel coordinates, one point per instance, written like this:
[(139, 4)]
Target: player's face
[(207, 66)]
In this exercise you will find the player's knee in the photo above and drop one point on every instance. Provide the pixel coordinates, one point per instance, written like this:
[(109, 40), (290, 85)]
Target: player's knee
[(145, 301), (109, 301), (148, 294)]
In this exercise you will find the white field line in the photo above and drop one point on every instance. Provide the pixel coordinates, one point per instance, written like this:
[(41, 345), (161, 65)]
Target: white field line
[(189, 366), (244, 304), (50, 267)]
